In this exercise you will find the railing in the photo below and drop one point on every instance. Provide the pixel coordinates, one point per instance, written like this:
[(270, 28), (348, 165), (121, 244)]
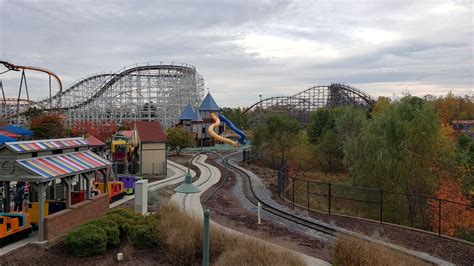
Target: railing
[(441, 216), (426, 213)]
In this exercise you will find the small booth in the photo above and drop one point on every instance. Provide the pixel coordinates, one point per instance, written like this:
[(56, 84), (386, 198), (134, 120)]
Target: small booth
[(96, 145), (150, 149), (59, 173)]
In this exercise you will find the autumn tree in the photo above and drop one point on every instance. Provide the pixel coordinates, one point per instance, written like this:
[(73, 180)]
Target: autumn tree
[(380, 104), (177, 139), (454, 107), (402, 149), (300, 156), (102, 131), (48, 125), (456, 219)]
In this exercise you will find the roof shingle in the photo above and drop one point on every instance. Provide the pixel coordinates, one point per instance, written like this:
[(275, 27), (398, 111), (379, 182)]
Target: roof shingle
[(208, 104), (150, 131), (187, 114), (93, 141)]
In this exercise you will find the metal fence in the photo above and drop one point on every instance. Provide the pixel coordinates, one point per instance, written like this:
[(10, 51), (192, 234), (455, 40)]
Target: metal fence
[(444, 217)]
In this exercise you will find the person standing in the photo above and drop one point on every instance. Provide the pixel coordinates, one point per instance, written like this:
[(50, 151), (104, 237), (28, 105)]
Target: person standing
[(18, 197)]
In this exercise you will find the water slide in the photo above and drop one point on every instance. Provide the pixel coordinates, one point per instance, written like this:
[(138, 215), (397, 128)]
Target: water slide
[(216, 136), (242, 137)]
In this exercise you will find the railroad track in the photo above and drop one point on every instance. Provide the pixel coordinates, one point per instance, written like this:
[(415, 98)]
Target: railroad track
[(254, 199)]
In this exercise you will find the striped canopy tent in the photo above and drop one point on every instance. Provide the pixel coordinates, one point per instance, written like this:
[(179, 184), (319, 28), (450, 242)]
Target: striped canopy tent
[(44, 145), (57, 166), (17, 130)]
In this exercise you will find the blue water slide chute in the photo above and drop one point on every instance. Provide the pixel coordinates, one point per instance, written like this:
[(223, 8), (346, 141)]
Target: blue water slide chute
[(242, 137)]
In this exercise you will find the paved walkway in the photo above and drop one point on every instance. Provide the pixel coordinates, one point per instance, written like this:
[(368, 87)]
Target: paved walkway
[(191, 204), (175, 175), (18, 244)]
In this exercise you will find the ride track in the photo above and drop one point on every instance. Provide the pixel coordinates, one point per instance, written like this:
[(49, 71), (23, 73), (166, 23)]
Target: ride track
[(250, 194), (138, 92), (178, 177), (199, 183)]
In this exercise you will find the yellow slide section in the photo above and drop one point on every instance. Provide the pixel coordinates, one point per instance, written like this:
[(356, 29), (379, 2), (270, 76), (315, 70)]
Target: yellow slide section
[(216, 136)]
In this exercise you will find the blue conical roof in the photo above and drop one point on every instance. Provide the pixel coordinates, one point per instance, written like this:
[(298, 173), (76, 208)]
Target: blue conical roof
[(208, 104), (188, 113), (197, 117)]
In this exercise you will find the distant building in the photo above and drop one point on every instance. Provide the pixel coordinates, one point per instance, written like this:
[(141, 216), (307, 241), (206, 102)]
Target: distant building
[(149, 140), (197, 121), (465, 127), (96, 145)]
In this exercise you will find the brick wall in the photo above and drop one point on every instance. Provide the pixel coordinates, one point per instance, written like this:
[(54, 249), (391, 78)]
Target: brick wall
[(58, 224)]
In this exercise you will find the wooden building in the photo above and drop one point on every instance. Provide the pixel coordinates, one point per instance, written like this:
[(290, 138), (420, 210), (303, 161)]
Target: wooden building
[(150, 147)]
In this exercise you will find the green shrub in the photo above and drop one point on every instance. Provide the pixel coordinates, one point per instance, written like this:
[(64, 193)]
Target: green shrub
[(125, 219), (110, 227), (125, 213), (87, 241), (143, 236)]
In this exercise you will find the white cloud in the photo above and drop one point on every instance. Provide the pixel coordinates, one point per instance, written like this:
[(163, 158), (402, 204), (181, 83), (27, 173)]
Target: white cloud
[(249, 47), (373, 36), (268, 46)]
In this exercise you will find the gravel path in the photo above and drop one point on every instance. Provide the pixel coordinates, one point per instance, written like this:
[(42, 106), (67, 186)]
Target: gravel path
[(263, 193)]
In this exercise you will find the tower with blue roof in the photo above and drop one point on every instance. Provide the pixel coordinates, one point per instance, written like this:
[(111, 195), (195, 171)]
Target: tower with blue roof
[(197, 121), (186, 117), (207, 107)]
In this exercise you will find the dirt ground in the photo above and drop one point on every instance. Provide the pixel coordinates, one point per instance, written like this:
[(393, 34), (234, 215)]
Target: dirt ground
[(58, 255), (227, 211), (448, 249)]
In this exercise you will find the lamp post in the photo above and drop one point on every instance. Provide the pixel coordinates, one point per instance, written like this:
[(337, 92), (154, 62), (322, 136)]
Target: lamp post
[(189, 187)]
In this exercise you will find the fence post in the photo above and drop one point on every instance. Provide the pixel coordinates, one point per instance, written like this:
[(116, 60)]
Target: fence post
[(381, 206), (283, 191), (293, 196), (439, 217), (307, 188), (329, 198)]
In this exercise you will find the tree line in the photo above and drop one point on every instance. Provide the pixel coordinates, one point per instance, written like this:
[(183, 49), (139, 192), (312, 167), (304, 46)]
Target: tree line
[(405, 146)]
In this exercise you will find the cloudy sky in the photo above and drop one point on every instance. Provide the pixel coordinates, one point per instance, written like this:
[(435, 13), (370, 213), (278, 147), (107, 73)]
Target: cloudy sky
[(244, 48)]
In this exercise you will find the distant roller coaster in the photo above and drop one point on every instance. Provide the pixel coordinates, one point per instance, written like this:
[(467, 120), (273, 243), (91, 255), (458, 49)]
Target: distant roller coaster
[(300, 105), (138, 92)]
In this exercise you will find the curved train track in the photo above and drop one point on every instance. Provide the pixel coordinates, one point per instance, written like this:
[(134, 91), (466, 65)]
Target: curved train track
[(254, 199)]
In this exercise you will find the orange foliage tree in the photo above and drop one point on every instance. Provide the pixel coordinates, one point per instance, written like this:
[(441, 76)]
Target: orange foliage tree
[(456, 219), (102, 131), (454, 107), (49, 125)]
